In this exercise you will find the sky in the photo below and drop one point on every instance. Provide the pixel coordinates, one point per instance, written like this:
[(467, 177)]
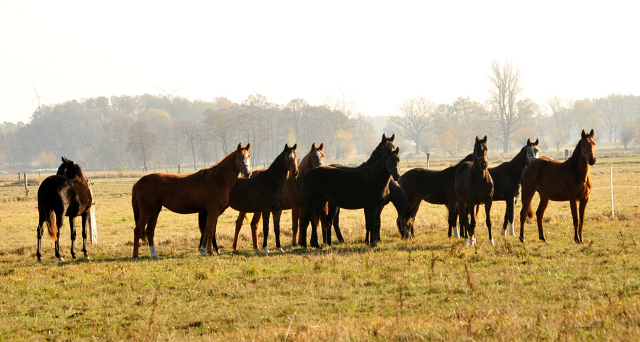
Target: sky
[(380, 54)]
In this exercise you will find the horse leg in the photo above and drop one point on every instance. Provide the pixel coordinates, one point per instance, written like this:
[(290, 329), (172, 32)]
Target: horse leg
[(295, 215), (453, 229), (85, 217), (370, 221), (276, 228), (57, 244), (336, 225), (487, 210), (209, 243), (151, 228), (239, 221), (527, 197), (463, 220), (574, 215), (255, 219), (265, 230), (332, 216), (583, 206), (72, 230), (304, 223), (471, 227), (314, 228), (539, 215)]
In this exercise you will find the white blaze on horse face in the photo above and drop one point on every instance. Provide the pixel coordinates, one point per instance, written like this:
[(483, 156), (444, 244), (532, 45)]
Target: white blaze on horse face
[(152, 249), (246, 164), (319, 158), (293, 156)]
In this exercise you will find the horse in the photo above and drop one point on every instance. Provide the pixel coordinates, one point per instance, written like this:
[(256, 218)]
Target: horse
[(435, 187), (474, 186), (507, 178), (400, 201), (380, 150), (206, 190), (556, 181), (293, 200), (65, 194), (365, 188), (264, 193)]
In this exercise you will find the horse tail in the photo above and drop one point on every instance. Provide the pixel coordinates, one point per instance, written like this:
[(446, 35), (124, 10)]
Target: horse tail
[(136, 214), (50, 219)]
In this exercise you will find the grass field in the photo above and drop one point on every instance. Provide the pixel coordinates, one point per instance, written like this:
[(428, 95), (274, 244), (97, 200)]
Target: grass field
[(428, 288)]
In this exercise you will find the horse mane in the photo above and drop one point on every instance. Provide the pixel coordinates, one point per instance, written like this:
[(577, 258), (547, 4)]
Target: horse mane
[(276, 163), (302, 166), (370, 172), (79, 173), (210, 171), (378, 152), (469, 157), (575, 156)]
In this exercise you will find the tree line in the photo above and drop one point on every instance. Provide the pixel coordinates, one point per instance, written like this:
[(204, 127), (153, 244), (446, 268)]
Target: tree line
[(154, 132)]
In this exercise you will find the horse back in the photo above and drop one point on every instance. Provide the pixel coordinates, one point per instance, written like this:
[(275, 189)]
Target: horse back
[(435, 187), (255, 194), (555, 180), (70, 197), (506, 181)]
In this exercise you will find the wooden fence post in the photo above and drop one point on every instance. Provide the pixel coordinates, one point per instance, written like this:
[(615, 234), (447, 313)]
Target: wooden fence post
[(566, 154), (26, 188), (611, 178), (428, 156)]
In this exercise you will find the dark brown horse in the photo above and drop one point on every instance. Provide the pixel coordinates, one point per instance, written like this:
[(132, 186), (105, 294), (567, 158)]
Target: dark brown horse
[(264, 193), (556, 181), (206, 190), (507, 178), (65, 194), (293, 201), (435, 187), (384, 145), (474, 186), (365, 188)]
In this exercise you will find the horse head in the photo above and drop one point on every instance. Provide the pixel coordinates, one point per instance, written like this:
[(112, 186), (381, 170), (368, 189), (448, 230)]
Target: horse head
[(588, 147), (291, 159), (480, 152), (382, 148), (404, 226), (316, 156), (243, 160), (531, 151), (392, 161), (69, 169)]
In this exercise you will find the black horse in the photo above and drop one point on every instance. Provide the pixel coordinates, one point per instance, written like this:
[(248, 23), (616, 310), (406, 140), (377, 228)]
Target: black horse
[(474, 186), (379, 152), (507, 179), (65, 194), (364, 188), (435, 187)]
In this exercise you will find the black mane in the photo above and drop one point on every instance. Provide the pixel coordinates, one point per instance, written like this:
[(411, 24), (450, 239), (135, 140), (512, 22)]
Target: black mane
[(575, 156)]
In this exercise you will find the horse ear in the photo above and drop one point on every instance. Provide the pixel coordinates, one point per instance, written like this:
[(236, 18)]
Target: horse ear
[(528, 141), (295, 146), (321, 147), (64, 159), (286, 146), (392, 137), (537, 141), (248, 146), (583, 134), (397, 151), (484, 140), (384, 137), (239, 146), (477, 139), (591, 133), (313, 146)]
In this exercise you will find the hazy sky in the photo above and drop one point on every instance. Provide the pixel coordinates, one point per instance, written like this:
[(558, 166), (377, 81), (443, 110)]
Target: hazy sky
[(381, 53)]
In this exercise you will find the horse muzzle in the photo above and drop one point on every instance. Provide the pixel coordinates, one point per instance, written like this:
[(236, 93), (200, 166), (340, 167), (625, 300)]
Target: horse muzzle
[(246, 172), (592, 160), (484, 165), (295, 173)]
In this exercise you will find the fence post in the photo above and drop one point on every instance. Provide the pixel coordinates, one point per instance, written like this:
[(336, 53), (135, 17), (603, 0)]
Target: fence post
[(18, 177), (178, 168), (428, 157), (26, 188), (105, 174), (93, 225), (566, 154), (611, 176)]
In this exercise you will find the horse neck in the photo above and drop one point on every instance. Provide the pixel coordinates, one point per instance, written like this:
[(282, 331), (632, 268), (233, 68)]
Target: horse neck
[(398, 198), (305, 165), (579, 163), (277, 171), (378, 171), (225, 169), (477, 171), (519, 162), (375, 155)]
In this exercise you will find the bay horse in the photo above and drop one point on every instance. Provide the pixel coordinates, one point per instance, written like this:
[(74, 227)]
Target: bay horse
[(204, 191), (383, 146), (264, 193), (364, 188), (507, 179), (65, 194), (556, 181), (435, 187), (293, 199), (401, 202), (474, 186)]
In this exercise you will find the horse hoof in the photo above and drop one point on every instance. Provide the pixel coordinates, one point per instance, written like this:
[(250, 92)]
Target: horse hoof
[(266, 250), (504, 232), (492, 242), (87, 257), (280, 249), (522, 239), (203, 251), (218, 252), (61, 258), (136, 259), (155, 257)]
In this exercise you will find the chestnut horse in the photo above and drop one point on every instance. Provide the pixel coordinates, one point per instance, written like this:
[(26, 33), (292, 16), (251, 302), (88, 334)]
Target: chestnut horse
[(293, 201), (435, 187), (65, 194), (474, 186), (507, 178), (263, 193), (364, 188), (383, 146), (206, 190), (556, 181)]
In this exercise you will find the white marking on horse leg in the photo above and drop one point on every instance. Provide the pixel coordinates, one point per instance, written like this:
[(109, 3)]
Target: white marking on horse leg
[(218, 252), (492, 242), (456, 232), (152, 249), (511, 231), (473, 241), (203, 251), (281, 250), (266, 249), (504, 231), (467, 241), (61, 258)]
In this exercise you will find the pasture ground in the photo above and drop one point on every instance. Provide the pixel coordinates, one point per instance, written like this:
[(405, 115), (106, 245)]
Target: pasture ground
[(428, 288)]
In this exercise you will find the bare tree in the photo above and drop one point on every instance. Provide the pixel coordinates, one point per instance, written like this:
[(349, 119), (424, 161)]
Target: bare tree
[(564, 117), (413, 120), (507, 110), (141, 141)]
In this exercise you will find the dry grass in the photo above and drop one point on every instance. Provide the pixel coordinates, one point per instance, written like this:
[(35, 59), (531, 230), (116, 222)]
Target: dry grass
[(429, 288)]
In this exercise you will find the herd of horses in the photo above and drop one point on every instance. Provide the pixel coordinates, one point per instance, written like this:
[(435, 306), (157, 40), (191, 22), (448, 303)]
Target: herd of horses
[(315, 192)]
